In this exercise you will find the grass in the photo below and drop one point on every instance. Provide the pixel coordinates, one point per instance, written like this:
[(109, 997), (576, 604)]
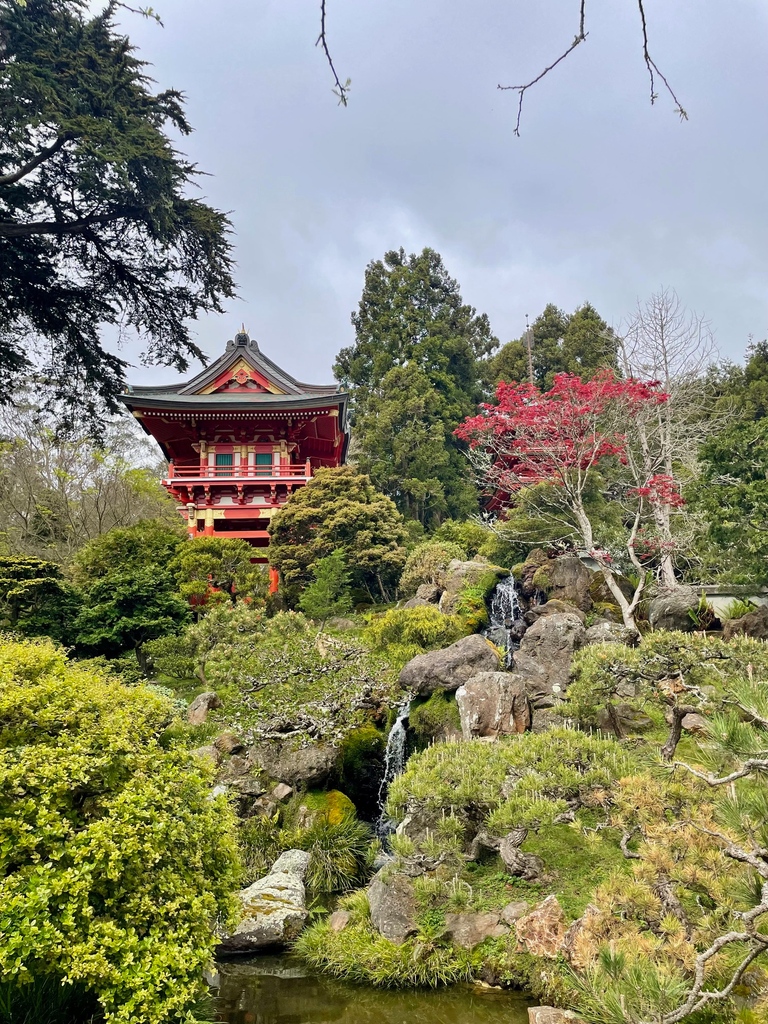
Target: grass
[(47, 1000)]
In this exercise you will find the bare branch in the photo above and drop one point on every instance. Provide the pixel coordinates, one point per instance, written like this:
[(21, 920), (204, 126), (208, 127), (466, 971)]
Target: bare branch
[(42, 156), (629, 854), (652, 67), (342, 91), (749, 767), (676, 729), (580, 36)]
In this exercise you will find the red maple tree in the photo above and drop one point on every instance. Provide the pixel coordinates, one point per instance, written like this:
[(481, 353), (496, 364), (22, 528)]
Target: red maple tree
[(528, 437)]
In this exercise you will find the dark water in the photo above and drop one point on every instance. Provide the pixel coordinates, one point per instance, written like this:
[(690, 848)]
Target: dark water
[(277, 990)]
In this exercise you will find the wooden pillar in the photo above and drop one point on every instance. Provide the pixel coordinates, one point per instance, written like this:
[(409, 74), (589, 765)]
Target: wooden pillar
[(274, 580), (208, 531), (192, 519)]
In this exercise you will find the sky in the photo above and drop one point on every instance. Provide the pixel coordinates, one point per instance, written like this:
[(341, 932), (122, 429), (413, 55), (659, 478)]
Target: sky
[(603, 198)]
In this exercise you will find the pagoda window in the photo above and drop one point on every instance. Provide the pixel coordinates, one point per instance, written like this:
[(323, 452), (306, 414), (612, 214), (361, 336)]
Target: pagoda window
[(224, 464), (263, 463)]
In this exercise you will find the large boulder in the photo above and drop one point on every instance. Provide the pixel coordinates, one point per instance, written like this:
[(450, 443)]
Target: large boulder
[(274, 908), (551, 1015), (670, 609), (753, 624), (470, 929), (544, 658), (565, 579), (309, 765), (493, 704), (449, 668), (464, 574), (197, 712), (605, 632), (393, 905), (542, 931)]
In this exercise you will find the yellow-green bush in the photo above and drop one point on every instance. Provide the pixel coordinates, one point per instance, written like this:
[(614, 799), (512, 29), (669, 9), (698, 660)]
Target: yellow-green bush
[(115, 863), (404, 632), (427, 563)]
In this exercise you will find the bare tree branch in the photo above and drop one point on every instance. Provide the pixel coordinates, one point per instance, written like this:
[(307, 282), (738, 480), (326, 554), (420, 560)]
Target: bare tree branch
[(652, 67), (41, 157), (342, 91)]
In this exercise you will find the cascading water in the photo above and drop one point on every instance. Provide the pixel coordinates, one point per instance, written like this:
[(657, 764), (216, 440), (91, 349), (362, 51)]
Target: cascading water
[(505, 618), (394, 763)]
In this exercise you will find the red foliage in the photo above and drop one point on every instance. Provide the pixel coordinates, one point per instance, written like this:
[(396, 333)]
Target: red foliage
[(661, 489), (534, 437)]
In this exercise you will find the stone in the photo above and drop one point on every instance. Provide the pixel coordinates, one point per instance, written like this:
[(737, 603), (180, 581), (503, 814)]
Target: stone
[(449, 668), (621, 719), (753, 624), (541, 932), (568, 580), (429, 592), (545, 654), (459, 575), (309, 765), (605, 632), (417, 602), (228, 743), (578, 944), (393, 906), (282, 792), (292, 862), (555, 607), (551, 1015), (274, 914), (514, 911), (339, 920), (470, 929), (527, 866), (670, 608), (341, 624), (493, 704), (211, 752), (197, 712), (696, 724)]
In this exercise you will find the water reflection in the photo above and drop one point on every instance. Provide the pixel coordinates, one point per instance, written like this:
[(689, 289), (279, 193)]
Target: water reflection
[(277, 990)]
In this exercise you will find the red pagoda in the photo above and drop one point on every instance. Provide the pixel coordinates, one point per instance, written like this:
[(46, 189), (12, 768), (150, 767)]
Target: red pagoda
[(240, 438)]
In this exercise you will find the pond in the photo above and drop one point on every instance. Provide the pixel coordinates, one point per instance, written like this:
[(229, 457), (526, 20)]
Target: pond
[(278, 990)]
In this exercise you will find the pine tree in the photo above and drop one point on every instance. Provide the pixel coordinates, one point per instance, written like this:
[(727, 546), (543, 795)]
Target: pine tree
[(328, 593)]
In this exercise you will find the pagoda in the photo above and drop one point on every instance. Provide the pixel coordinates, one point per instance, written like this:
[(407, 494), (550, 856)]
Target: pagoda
[(240, 438)]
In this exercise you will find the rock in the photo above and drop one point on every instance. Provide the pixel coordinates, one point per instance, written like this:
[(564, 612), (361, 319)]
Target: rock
[(468, 929), (524, 865), (555, 607), (670, 608), (292, 862), (429, 592), (551, 1015), (542, 931), (393, 906), (605, 632), (339, 920), (211, 752), (514, 911), (449, 668), (341, 624), (753, 624), (417, 602), (696, 724), (309, 766), (228, 743), (262, 807), (464, 574), (274, 913), (527, 571), (282, 792), (578, 944), (567, 579), (620, 719), (544, 657), (239, 774), (493, 704), (197, 712)]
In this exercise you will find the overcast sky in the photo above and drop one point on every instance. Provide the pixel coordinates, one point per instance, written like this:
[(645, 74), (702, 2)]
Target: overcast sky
[(603, 198)]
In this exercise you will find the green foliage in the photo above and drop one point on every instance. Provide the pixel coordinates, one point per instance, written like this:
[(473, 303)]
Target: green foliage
[(328, 593), (360, 766), (413, 374), (205, 565), (97, 226), (150, 544), (34, 598), (580, 342), (114, 859), (737, 608), (46, 1001), (471, 603), (339, 509), (468, 535), (427, 563), (402, 633), (430, 719)]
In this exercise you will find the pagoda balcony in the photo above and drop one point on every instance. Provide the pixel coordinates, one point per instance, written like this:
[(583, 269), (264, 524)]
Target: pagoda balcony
[(287, 473)]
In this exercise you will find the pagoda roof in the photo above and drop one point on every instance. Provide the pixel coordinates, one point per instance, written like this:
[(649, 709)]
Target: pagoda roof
[(241, 376)]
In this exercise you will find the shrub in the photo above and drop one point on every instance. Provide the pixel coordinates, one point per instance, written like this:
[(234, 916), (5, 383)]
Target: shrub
[(469, 535), (114, 859), (427, 563), (737, 608), (402, 633), (429, 719)]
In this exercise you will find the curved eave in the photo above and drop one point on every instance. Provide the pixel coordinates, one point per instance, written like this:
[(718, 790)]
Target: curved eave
[(143, 401)]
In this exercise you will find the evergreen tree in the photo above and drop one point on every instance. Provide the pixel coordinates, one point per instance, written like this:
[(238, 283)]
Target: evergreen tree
[(95, 224), (413, 374), (328, 593), (580, 342)]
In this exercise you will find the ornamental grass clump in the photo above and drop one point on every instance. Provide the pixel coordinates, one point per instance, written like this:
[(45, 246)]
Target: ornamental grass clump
[(115, 861)]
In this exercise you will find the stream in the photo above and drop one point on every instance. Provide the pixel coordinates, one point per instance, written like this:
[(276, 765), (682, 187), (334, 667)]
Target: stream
[(279, 990)]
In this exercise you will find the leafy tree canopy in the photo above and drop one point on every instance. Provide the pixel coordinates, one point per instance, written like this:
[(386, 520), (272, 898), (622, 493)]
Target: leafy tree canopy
[(114, 858), (413, 373), (150, 544), (96, 226), (328, 593), (221, 563), (339, 509), (580, 342), (34, 598)]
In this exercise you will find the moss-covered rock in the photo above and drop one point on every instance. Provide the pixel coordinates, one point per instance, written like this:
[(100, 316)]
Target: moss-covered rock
[(331, 805), (436, 718)]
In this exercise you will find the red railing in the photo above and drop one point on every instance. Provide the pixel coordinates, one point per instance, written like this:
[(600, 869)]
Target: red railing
[(202, 471)]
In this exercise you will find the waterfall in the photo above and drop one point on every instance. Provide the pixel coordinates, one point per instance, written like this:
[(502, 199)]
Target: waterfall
[(505, 616), (394, 763)]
